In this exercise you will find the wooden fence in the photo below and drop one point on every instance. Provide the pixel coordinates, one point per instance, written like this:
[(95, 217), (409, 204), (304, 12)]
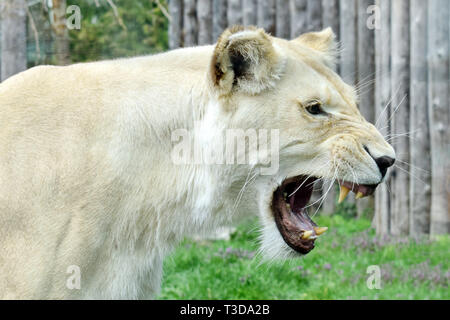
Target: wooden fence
[(397, 55)]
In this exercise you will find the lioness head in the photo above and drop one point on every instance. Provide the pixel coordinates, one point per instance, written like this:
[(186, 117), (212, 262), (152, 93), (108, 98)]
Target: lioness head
[(265, 82)]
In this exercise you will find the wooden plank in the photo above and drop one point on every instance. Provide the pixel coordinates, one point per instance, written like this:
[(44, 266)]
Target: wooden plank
[(190, 23), (330, 18), (283, 23), (330, 15), (420, 169), (250, 8), (314, 15), (13, 38), (383, 108), (175, 23), (219, 17), (299, 19), (366, 75), (439, 106), (234, 12), (204, 12), (266, 15), (348, 33), (400, 117)]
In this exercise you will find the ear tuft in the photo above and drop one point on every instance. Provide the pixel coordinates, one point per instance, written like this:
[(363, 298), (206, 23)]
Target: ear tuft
[(245, 59), (323, 42)]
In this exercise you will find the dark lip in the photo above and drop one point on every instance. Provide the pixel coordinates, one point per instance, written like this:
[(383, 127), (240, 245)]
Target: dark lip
[(293, 223), (365, 189)]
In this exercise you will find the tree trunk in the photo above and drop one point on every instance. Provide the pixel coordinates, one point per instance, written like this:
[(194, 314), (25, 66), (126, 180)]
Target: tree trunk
[(234, 12), (190, 23), (298, 17), (400, 119), (314, 15), (61, 34), (14, 37), (250, 9), (266, 15), (383, 109), (439, 105), (283, 27), (175, 23), (420, 180), (366, 74), (219, 17), (204, 9)]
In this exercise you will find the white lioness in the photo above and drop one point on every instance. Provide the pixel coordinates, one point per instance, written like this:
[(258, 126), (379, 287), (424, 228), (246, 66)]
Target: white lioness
[(89, 187)]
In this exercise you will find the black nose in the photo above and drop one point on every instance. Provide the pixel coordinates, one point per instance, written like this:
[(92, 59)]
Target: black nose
[(384, 163)]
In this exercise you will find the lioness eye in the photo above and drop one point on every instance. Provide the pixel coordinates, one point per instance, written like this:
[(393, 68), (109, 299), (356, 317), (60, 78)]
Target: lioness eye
[(314, 108)]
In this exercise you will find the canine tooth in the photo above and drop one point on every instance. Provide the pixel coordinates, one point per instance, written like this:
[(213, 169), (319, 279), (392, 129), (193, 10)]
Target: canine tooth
[(359, 195), (307, 234), (320, 230), (343, 193)]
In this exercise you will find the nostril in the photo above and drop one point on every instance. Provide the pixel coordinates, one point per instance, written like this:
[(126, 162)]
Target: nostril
[(384, 162)]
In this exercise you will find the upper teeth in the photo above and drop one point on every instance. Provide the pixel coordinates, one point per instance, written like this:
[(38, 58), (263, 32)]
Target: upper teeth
[(343, 192)]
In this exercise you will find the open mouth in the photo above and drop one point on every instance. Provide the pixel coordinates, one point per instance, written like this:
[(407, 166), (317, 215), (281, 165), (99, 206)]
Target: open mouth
[(289, 206)]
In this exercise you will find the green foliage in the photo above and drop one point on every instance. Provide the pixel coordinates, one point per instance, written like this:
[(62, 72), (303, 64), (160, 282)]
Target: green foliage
[(102, 36), (335, 269)]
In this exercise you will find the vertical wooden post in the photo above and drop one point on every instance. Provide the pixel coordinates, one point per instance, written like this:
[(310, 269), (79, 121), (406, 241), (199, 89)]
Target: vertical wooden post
[(348, 33), (298, 17), (190, 23), (204, 11), (266, 15), (383, 108), (314, 11), (439, 106), (420, 180), (234, 12), (175, 23), (314, 23), (366, 74), (400, 117), (283, 23), (219, 17), (250, 12), (330, 15), (330, 18), (14, 37)]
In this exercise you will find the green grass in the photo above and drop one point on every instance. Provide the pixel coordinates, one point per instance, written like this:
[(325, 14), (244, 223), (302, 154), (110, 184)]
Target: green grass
[(335, 269)]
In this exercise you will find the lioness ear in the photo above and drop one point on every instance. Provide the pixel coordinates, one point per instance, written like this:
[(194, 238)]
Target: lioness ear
[(245, 59), (324, 42)]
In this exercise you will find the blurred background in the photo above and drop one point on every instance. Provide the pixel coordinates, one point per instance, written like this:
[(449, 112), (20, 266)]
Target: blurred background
[(396, 53)]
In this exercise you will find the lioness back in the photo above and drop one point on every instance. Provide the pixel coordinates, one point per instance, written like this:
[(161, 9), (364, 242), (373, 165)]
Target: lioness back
[(66, 135)]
